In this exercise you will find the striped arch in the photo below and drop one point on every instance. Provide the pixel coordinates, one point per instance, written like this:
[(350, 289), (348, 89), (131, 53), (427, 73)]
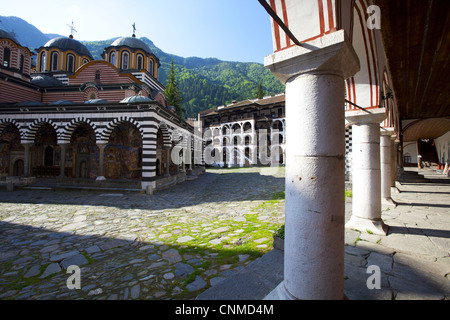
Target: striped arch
[(113, 124), (166, 135), (90, 93), (30, 134), (6, 122), (69, 129), (364, 88)]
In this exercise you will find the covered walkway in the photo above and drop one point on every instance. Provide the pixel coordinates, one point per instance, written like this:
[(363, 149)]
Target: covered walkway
[(413, 257)]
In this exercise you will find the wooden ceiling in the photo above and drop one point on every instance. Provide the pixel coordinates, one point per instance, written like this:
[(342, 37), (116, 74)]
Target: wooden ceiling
[(416, 35)]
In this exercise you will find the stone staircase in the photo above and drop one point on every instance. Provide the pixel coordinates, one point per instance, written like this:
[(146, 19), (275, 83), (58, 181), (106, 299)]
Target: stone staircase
[(412, 176)]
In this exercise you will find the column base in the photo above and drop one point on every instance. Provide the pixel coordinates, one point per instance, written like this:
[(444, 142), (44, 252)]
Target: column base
[(395, 190), (281, 293), (101, 178), (389, 202), (377, 227)]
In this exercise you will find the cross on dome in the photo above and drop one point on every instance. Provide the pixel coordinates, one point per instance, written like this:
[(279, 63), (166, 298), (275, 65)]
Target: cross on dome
[(72, 29), (134, 30)]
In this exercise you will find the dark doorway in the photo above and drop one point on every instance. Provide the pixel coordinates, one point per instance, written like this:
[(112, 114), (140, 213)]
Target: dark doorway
[(18, 168), (48, 156)]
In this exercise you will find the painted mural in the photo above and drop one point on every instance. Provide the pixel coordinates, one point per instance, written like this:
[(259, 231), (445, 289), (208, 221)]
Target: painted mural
[(9, 143), (122, 158), (43, 152), (83, 158)]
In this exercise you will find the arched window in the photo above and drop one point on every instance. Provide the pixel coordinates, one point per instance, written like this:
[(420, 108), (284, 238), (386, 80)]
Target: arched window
[(151, 67), (112, 58), (70, 63), (125, 60), (6, 57), (42, 61), (54, 61), (140, 62), (97, 75), (21, 63)]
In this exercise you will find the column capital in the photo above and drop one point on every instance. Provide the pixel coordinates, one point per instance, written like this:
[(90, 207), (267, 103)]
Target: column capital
[(364, 117), (101, 145), (330, 54), (387, 132)]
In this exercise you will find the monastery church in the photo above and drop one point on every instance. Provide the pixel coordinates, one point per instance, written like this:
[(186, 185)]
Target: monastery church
[(100, 122)]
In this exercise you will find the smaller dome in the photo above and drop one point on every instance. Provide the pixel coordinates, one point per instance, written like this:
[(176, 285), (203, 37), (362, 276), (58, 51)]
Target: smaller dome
[(96, 101), (45, 81), (6, 35), (30, 103), (69, 43), (134, 99), (61, 102), (133, 43)]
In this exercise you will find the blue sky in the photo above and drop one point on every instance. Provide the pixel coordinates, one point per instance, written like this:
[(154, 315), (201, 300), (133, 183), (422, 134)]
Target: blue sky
[(232, 30)]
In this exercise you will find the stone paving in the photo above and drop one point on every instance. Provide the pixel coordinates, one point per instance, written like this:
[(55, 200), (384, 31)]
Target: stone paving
[(171, 245), (414, 257)]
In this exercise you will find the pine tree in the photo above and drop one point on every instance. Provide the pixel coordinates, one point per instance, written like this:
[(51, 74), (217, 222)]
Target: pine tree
[(260, 92), (173, 92)]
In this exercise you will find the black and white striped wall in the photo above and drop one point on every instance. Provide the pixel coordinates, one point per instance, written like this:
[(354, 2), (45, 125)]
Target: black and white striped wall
[(147, 118)]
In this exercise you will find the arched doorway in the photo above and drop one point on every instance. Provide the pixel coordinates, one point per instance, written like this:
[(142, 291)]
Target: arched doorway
[(49, 156), (43, 152), (18, 168), (83, 170), (10, 148)]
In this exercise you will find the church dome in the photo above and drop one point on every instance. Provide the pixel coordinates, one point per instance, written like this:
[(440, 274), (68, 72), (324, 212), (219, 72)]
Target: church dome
[(65, 44), (6, 35), (133, 43)]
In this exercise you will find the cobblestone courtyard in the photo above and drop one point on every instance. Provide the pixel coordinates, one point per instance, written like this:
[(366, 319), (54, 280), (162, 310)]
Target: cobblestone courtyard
[(171, 245)]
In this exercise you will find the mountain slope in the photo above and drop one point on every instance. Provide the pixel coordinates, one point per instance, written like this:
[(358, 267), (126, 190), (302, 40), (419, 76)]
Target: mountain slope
[(206, 83), (27, 34)]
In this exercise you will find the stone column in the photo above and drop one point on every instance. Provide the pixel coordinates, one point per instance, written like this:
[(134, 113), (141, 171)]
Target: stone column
[(62, 163), (26, 160), (387, 165), (366, 214), (101, 160), (315, 163), (395, 161)]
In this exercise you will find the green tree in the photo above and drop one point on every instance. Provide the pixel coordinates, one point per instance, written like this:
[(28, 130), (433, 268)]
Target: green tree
[(260, 92), (173, 92)]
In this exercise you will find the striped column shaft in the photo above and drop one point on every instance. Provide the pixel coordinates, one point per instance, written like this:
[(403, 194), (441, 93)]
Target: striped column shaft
[(150, 130)]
